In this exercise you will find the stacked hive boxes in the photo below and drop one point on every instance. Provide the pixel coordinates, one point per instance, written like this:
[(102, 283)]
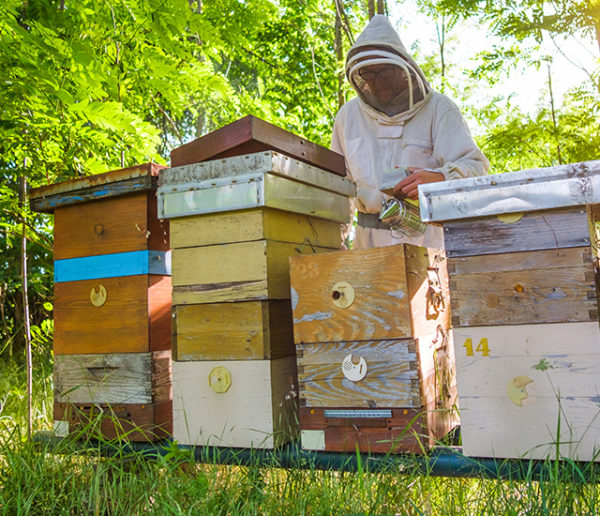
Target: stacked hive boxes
[(234, 223), (375, 364), (525, 309), (112, 304)]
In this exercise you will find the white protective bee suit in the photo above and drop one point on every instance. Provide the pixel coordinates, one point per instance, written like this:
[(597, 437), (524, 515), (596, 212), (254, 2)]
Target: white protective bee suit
[(418, 128)]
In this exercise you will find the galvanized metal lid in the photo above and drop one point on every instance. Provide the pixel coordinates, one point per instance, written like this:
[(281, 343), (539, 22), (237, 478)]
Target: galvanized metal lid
[(527, 190), (264, 179)]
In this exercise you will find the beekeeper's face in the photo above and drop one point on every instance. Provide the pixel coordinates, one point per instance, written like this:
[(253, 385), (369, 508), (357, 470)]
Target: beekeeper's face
[(383, 81)]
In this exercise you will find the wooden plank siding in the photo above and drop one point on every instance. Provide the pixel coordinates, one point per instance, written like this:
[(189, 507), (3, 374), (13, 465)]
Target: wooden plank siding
[(115, 378), (116, 225), (401, 373), (391, 300), (259, 409), (240, 271), (254, 224), (251, 330), (525, 287), (537, 230), (135, 318)]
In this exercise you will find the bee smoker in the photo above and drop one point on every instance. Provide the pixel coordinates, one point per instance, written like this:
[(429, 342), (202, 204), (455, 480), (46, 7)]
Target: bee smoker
[(402, 216)]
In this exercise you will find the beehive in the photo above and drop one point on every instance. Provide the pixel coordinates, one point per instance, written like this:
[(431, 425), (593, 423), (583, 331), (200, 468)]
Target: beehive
[(375, 362), (234, 223), (112, 301), (522, 264), (235, 403)]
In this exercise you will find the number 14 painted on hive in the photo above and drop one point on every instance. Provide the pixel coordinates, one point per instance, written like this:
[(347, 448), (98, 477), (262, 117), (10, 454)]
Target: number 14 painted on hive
[(482, 347)]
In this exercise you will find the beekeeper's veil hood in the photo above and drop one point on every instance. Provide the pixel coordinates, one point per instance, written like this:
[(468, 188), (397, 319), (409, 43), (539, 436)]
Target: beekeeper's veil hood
[(400, 88)]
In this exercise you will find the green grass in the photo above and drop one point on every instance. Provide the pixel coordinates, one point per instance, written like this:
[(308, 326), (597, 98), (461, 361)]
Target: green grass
[(73, 479)]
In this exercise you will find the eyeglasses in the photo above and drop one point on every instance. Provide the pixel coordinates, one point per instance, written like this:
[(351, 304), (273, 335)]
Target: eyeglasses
[(370, 75)]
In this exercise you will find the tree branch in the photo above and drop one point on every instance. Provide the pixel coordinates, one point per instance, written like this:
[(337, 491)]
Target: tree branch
[(346, 24), (312, 52), (166, 115)]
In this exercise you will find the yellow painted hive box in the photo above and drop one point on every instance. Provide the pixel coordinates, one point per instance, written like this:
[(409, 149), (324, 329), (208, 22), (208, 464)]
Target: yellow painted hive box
[(235, 305), (234, 224)]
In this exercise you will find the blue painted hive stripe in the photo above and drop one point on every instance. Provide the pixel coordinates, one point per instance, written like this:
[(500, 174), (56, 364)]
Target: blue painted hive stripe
[(113, 265)]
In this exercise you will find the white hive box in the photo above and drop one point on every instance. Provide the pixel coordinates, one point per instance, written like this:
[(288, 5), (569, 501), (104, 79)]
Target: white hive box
[(235, 403), (533, 393)]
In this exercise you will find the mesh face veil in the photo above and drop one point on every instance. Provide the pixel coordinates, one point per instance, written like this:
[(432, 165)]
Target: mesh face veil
[(395, 87)]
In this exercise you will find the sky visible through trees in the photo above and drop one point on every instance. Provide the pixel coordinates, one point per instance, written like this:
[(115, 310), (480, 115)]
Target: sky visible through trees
[(572, 57)]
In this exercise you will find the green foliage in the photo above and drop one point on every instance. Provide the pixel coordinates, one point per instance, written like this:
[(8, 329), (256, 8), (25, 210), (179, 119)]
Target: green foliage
[(75, 477), (91, 85), (530, 17), (556, 130), (94, 85), (518, 141)]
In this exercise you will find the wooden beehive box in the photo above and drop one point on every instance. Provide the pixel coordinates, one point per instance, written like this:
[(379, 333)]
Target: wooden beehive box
[(111, 263), (375, 363), (235, 221), (251, 134), (530, 390), (523, 276), (235, 403), (112, 298), (127, 394), (243, 241), (374, 294)]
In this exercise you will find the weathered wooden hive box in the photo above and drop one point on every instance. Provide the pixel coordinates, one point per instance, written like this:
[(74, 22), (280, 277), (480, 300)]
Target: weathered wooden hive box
[(523, 259), (375, 362), (112, 304), (249, 135), (234, 223)]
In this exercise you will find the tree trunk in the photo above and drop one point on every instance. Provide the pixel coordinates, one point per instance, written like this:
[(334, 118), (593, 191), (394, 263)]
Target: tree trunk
[(26, 328), (339, 51), (441, 36), (554, 122)]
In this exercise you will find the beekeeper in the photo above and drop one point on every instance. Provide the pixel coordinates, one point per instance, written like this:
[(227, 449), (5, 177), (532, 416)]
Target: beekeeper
[(397, 125)]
